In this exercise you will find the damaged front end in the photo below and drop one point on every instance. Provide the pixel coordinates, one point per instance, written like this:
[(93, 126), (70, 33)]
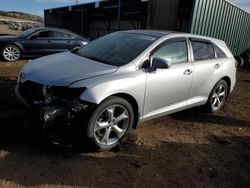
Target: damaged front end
[(52, 111)]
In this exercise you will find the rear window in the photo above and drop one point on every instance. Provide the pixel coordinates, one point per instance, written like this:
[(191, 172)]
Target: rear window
[(202, 50)]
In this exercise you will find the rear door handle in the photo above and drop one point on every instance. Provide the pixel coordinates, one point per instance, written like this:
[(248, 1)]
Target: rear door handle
[(188, 72), (216, 66)]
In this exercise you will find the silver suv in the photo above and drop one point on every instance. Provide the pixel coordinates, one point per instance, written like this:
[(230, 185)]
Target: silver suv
[(123, 78)]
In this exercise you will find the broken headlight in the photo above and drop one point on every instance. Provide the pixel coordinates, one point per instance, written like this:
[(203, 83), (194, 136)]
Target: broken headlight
[(58, 95)]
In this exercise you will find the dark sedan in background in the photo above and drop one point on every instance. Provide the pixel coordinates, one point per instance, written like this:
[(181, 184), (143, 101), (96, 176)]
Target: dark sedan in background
[(38, 42)]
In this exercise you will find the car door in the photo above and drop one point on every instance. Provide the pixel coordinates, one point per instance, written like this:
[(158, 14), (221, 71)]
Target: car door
[(61, 41), (207, 70), (167, 89), (38, 43)]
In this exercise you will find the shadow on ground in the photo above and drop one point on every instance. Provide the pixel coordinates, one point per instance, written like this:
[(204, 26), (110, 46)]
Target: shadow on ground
[(200, 117)]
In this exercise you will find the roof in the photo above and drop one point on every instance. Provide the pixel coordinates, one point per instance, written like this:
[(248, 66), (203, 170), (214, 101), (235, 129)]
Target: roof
[(161, 33), (53, 28), (153, 33)]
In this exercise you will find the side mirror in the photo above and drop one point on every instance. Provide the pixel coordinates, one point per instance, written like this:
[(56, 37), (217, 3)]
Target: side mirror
[(160, 63)]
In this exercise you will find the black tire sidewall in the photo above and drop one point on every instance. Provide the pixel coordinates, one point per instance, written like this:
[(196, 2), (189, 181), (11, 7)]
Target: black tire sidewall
[(89, 128), (20, 53)]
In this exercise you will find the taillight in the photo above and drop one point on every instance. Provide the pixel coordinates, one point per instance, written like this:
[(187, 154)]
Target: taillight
[(236, 64), (239, 61)]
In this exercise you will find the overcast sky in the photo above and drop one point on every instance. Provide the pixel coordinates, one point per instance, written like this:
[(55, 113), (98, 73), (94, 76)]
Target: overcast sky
[(244, 4), (37, 6)]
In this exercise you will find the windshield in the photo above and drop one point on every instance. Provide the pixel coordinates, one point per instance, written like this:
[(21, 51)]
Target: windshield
[(26, 32), (116, 48)]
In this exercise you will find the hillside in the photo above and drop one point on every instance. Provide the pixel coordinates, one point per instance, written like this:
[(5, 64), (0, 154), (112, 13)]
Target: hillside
[(21, 15)]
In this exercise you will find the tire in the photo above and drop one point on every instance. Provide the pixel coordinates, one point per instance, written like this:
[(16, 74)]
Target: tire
[(11, 53), (104, 130), (217, 97)]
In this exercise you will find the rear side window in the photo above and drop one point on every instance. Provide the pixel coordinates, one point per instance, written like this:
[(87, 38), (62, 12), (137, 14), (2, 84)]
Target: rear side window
[(59, 34), (219, 53), (202, 50)]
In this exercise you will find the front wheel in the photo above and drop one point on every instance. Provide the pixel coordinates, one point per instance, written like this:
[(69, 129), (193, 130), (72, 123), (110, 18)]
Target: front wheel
[(217, 97), (109, 123), (11, 53)]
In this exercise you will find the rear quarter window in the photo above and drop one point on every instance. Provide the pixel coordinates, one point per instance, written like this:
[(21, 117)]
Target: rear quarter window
[(219, 52), (202, 50)]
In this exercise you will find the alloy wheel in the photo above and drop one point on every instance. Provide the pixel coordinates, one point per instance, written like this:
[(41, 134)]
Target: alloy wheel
[(219, 96), (111, 125), (11, 53)]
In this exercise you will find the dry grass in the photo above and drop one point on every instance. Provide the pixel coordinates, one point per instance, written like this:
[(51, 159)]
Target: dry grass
[(11, 70), (18, 19), (4, 29)]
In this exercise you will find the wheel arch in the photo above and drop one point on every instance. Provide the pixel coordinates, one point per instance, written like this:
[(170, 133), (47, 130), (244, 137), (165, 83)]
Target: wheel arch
[(228, 81), (134, 105), (15, 44)]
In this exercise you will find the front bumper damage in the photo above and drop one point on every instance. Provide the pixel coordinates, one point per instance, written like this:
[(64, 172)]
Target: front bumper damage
[(56, 115)]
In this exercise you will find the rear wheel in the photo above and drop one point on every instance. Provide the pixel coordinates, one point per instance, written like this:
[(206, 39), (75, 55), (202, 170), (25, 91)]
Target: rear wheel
[(11, 53), (109, 123), (217, 97)]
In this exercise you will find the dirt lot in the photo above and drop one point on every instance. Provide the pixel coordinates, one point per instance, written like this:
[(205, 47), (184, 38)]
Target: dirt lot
[(4, 30), (187, 149)]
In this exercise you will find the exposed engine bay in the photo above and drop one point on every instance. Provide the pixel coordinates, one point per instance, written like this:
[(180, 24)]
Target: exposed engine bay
[(52, 111)]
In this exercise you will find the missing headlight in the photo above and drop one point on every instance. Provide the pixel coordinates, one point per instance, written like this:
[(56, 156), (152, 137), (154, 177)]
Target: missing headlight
[(65, 93)]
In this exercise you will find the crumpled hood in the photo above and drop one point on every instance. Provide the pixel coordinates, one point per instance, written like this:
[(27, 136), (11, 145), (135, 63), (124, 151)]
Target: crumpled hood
[(63, 69)]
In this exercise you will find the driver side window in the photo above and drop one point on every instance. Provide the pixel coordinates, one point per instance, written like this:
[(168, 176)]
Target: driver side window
[(173, 52), (43, 34)]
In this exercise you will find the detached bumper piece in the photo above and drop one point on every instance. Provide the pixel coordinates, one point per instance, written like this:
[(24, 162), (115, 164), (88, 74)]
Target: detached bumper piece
[(54, 112)]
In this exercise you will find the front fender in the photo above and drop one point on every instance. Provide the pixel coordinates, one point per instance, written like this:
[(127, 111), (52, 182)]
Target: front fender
[(96, 97), (19, 46), (102, 87)]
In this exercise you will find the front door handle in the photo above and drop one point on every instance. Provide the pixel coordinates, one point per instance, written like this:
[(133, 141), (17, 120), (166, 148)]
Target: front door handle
[(216, 66), (188, 72)]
